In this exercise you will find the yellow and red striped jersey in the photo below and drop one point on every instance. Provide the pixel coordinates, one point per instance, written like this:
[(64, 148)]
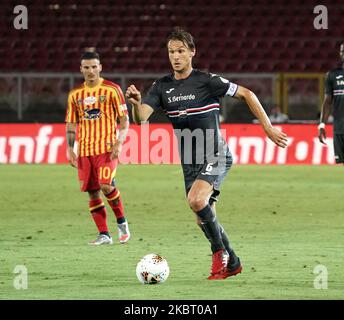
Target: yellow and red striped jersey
[(95, 110)]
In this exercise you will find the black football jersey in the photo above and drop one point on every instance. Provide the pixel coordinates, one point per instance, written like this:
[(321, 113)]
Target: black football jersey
[(334, 86), (192, 105)]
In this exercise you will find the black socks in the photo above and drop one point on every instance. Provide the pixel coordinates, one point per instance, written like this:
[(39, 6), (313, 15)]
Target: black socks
[(211, 228)]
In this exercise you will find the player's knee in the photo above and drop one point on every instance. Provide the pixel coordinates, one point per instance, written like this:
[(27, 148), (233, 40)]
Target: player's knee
[(106, 188), (94, 195), (196, 203)]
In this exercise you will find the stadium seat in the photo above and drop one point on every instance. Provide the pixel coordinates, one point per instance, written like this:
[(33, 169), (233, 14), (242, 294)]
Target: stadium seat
[(224, 30)]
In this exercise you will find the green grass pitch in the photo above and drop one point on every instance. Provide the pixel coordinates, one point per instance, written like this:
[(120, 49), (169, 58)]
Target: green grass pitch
[(283, 221)]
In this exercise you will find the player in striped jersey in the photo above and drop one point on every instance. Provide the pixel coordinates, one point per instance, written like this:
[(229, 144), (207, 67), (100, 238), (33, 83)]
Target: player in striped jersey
[(190, 99), (334, 95), (93, 110)]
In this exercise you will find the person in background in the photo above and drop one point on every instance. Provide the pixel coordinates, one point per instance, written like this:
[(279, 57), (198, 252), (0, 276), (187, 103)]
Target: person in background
[(276, 115), (94, 109), (334, 96)]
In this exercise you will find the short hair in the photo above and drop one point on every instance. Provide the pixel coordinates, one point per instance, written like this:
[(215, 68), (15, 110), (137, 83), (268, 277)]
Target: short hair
[(88, 55), (181, 35)]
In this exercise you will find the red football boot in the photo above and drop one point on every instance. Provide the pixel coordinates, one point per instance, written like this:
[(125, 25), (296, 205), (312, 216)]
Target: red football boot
[(234, 268), (219, 268)]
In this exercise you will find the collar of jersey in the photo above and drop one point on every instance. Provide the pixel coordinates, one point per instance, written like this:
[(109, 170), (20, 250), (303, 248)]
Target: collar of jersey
[(98, 85), (174, 79)]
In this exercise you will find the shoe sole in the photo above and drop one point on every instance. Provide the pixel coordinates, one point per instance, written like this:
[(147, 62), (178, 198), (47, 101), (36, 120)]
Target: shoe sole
[(98, 244), (225, 275), (235, 272)]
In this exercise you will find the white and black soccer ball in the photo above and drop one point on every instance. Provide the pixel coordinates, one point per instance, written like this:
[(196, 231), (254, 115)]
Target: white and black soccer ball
[(152, 269)]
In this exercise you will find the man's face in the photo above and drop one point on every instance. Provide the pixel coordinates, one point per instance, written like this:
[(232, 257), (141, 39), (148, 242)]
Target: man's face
[(180, 55), (341, 52), (91, 69)]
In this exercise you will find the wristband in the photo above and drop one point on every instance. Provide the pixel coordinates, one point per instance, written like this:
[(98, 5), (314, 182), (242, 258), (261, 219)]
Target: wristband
[(321, 125)]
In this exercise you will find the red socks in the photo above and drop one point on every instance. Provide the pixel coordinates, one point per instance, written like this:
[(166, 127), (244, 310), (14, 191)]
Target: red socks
[(98, 212), (115, 203)]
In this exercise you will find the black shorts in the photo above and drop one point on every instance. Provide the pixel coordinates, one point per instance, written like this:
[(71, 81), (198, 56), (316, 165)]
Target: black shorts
[(214, 173), (338, 144)]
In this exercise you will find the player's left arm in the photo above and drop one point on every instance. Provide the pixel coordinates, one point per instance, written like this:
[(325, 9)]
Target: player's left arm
[(275, 135), (122, 116), (122, 134)]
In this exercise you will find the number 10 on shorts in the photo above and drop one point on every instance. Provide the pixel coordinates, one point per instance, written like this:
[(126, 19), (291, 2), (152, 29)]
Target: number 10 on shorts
[(106, 174)]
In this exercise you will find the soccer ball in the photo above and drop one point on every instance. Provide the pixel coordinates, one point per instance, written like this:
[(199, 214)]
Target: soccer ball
[(152, 269)]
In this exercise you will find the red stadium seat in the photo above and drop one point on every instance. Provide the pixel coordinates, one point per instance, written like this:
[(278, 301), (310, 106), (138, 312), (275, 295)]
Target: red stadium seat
[(263, 35)]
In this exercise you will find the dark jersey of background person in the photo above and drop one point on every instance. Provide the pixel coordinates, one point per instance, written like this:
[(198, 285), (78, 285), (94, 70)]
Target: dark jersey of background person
[(334, 86), (193, 103)]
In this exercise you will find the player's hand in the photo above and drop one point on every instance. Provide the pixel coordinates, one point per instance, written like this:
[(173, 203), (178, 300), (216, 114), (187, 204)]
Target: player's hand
[(277, 136), (133, 95), (322, 135), (116, 150), (72, 158)]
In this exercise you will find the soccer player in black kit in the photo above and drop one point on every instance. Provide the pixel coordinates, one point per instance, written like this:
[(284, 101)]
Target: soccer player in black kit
[(334, 95), (190, 99)]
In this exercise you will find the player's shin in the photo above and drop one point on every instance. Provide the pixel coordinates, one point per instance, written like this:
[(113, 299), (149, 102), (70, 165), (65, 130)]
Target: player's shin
[(211, 228), (224, 237), (227, 244), (115, 202), (98, 211)]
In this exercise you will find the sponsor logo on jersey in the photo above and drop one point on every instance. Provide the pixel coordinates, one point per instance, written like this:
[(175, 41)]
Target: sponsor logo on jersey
[(181, 98), (340, 82), (90, 100), (170, 90), (339, 77), (92, 114)]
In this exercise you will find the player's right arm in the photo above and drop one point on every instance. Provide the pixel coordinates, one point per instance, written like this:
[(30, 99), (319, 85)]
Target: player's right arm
[(141, 112), (70, 135), (71, 123)]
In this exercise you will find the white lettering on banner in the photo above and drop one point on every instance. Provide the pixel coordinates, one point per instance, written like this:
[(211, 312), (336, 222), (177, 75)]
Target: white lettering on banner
[(232, 144), (3, 156), (246, 143), (55, 143), (301, 150), (34, 149), (42, 141), (15, 144), (158, 144), (283, 152), (318, 149), (256, 144), (269, 151)]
